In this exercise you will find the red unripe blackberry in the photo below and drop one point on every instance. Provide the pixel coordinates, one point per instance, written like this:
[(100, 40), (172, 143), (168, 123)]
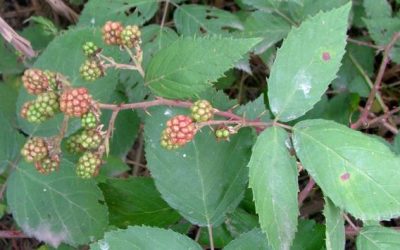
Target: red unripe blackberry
[(35, 149), (88, 165), (112, 33), (75, 102), (202, 111), (130, 36), (180, 130), (35, 81)]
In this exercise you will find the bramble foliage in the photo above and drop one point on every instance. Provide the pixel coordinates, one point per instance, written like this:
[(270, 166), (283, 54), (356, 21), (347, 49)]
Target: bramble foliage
[(169, 125)]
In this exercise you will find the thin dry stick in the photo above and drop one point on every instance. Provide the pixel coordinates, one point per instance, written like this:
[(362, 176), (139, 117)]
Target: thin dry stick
[(20, 44), (138, 155), (110, 129), (210, 236), (350, 222), (367, 44), (12, 234), (306, 191), (61, 8), (377, 84)]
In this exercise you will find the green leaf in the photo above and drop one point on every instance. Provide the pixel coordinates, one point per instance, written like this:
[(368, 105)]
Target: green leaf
[(378, 238), (221, 236), (334, 233), (11, 142), (67, 62), (97, 12), (271, 27), (295, 87), (136, 201), (204, 179), (193, 19), (273, 178), (189, 66), (382, 29), (357, 172), (310, 236), (56, 208), (301, 9), (145, 238), (9, 63), (254, 240), (376, 9), (255, 110), (240, 222)]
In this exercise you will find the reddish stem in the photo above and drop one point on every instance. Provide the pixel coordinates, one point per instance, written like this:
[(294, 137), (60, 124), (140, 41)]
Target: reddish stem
[(306, 191), (12, 234), (363, 119)]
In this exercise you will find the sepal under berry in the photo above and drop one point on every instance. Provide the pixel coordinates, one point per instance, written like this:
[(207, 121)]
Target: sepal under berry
[(90, 49), (91, 70), (112, 33), (35, 149), (130, 36), (88, 165), (202, 111), (89, 120), (75, 102), (35, 81)]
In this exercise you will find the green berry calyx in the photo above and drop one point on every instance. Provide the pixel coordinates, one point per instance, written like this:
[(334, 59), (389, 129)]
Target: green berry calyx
[(130, 36), (91, 70), (90, 49), (75, 102), (88, 165), (202, 111), (35, 149), (179, 131)]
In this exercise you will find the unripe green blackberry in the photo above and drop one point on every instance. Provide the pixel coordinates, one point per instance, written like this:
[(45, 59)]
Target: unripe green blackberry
[(202, 111), (91, 70), (222, 133), (90, 139), (88, 165), (180, 130), (75, 102), (89, 120), (35, 149), (130, 36), (52, 79), (44, 107), (73, 144), (35, 81), (48, 165), (90, 49), (112, 33)]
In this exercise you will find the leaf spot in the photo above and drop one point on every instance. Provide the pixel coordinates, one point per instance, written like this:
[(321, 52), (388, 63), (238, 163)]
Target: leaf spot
[(43, 233), (345, 176), (303, 82), (326, 56)]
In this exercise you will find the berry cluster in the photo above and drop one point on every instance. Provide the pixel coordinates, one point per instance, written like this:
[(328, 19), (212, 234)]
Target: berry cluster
[(114, 33), (36, 150), (44, 85), (181, 128)]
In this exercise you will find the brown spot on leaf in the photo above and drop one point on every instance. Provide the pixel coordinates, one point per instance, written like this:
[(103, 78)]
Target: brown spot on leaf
[(326, 56), (345, 176)]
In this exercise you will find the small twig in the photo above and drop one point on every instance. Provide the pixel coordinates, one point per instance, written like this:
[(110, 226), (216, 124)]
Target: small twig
[(198, 233), (377, 84), (135, 60), (138, 156), (12, 234), (115, 64), (350, 222), (384, 116), (367, 44), (164, 14), (210, 236), (110, 129), (306, 191)]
